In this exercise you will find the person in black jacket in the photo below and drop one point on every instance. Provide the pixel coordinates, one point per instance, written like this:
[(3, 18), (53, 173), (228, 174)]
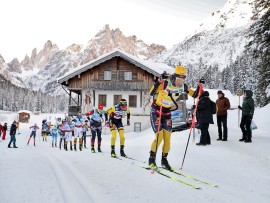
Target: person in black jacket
[(13, 129), (204, 118), (247, 116)]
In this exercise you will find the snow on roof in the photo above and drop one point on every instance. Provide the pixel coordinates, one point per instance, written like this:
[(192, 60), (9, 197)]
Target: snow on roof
[(24, 111), (150, 66)]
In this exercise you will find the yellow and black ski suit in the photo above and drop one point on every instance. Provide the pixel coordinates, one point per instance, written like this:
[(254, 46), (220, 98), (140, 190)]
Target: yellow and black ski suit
[(165, 98), (115, 122)]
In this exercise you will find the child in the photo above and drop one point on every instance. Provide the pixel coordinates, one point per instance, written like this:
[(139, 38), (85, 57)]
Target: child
[(54, 132), (84, 130), (33, 133), (4, 131), (62, 134)]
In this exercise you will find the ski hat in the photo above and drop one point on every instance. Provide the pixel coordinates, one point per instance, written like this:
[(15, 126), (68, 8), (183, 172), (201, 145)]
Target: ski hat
[(100, 106), (202, 80), (205, 94), (180, 71), (220, 92), (123, 104)]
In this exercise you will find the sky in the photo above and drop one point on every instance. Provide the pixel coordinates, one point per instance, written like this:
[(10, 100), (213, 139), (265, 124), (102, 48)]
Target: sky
[(28, 24)]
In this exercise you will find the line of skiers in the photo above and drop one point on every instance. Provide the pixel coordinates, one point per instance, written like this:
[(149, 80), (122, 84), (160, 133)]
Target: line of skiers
[(77, 126)]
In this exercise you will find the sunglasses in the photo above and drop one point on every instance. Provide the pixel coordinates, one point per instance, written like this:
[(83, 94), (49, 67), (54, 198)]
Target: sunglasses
[(180, 76)]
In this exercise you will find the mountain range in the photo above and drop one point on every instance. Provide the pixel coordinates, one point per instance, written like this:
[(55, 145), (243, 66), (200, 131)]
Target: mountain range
[(40, 70)]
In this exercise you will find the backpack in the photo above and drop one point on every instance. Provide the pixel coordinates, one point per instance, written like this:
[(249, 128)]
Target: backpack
[(213, 107)]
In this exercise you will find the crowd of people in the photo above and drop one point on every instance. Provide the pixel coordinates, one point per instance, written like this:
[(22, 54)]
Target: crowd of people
[(166, 91)]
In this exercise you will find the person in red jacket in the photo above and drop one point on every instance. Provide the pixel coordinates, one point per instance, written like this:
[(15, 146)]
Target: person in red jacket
[(223, 104), (4, 131), (1, 129)]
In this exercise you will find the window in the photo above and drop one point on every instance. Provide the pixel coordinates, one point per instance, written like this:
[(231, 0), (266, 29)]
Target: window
[(116, 99), (107, 75), (133, 101), (102, 99), (128, 76)]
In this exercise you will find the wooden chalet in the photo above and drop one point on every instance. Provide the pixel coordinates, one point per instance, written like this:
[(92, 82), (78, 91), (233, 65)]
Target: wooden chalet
[(109, 78)]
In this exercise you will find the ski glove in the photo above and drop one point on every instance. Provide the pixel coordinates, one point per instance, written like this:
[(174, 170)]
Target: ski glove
[(128, 123), (239, 107)]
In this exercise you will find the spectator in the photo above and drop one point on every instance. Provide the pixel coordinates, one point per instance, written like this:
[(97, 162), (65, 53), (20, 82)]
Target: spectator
[(204, 118), (1, 129), (13, 129), (247, 116), (4, 131), (223, 104)]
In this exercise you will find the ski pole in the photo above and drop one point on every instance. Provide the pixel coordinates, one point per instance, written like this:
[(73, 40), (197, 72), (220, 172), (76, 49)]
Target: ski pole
[(192, 123), (239, 94)]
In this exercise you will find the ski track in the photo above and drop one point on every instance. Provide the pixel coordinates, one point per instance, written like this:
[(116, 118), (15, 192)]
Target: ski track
[(68, 175), (48, 175)]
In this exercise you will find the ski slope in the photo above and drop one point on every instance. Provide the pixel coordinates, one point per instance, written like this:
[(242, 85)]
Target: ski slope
[(48, 175)]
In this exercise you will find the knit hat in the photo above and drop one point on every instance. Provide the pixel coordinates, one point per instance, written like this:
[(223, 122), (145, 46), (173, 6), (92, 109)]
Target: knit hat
[(219, 92), (205, 94)]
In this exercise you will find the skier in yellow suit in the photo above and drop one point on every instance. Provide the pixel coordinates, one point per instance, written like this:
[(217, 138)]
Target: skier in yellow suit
[(116, 114), (166, 91)]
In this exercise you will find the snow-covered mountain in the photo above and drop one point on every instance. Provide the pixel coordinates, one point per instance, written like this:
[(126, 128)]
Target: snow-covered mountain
[(41, 70), (218, 40), (5, 72)]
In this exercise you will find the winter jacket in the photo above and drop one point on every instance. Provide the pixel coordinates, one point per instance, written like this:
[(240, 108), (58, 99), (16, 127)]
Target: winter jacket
[(223, 104), (1, 128), (5, 127), (248, 104), (204, 113), (13, 129)]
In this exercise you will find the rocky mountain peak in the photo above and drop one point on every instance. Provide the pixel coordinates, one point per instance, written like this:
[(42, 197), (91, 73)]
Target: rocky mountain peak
[(15, 66), (41, 59)]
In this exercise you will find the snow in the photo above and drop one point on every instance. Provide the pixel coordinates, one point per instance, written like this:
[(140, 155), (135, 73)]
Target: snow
[(45, 174)]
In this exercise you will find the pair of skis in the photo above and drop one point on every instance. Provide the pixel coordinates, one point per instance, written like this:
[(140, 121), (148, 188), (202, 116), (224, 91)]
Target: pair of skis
[(161, 172), (168, 175)]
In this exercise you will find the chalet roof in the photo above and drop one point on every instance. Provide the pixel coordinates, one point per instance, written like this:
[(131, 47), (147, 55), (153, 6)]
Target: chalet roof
[(149, 66)]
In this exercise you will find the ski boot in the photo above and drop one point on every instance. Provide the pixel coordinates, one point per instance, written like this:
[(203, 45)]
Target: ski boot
[(243, 138), (65, 147), (152, 160), (99, 149), (75, 149), (71, 147), (93, 149), (52, 145), (122, 153), (113, 152), (80, 147), (164, 162)]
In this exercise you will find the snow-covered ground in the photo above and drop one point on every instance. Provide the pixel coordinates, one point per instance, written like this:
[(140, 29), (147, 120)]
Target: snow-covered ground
[(44, 174)]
